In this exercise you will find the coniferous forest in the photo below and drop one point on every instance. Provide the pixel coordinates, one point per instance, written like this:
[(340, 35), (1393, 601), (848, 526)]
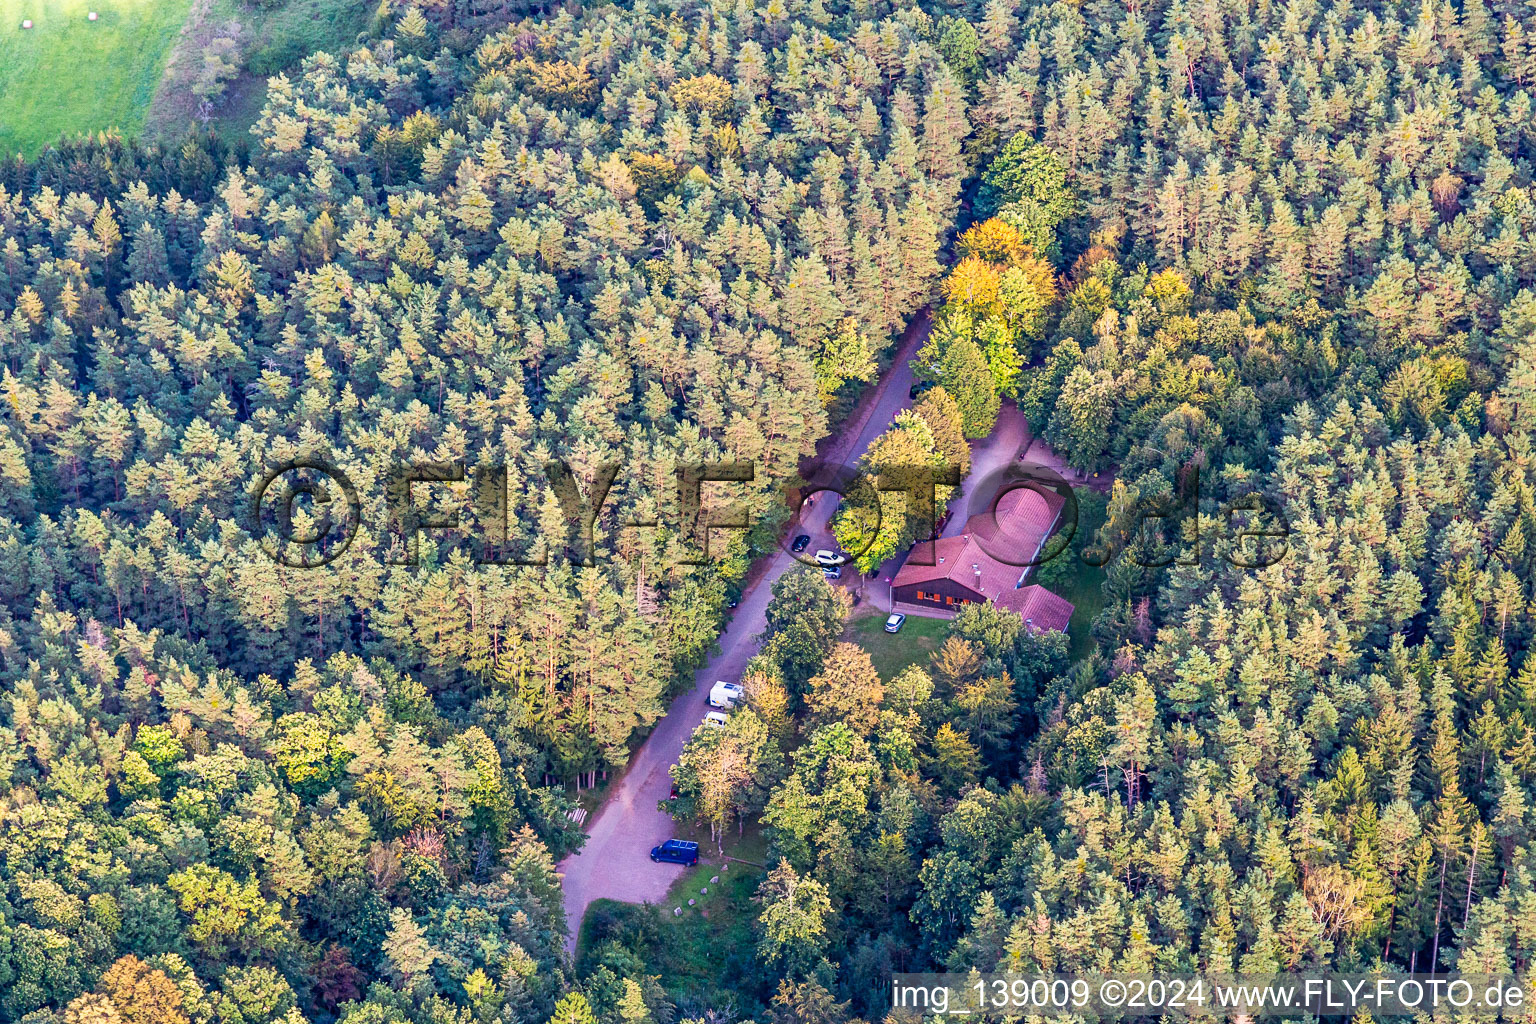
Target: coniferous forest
[(1211, 250)]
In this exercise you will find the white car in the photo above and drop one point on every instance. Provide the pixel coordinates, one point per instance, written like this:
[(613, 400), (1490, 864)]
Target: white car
[(893, 623), (716, 719), (826, 557), (724, 695)]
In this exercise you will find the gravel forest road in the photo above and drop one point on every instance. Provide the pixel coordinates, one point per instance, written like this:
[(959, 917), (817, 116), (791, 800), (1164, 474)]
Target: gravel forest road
[(615, 862)]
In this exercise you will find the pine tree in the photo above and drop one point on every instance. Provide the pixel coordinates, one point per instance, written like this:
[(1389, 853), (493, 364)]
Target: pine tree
[(964, 373), (573, 1008), (407, 953)]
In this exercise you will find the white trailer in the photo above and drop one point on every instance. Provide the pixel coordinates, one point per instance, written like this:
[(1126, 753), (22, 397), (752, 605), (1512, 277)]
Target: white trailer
[(724, 695)]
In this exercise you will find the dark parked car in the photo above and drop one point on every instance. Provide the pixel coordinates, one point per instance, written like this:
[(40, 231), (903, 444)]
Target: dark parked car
[(917, 389), (801, 543), (676, 851)]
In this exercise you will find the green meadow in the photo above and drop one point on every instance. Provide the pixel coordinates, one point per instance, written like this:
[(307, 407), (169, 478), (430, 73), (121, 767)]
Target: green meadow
[(68, 74)]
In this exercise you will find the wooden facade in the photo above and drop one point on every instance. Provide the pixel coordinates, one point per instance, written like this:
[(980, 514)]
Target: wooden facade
[(939, 593)]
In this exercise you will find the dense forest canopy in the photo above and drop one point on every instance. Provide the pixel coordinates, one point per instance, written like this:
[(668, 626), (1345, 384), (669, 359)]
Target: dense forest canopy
[(1283, 248), (551, 261)]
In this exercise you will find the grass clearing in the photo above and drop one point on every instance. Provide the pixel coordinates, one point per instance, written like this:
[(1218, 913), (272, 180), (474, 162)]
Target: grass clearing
[(68, 75), (241, 108), (1074, 579), (891, 652), (279, 38), (1084, 587), (707, 942), (271, 38)]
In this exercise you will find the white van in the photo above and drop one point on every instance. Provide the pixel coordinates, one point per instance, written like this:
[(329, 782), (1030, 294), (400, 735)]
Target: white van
[(724, 695), (716, 720)]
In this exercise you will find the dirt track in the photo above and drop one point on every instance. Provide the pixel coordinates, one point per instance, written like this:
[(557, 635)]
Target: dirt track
[(615, 862)]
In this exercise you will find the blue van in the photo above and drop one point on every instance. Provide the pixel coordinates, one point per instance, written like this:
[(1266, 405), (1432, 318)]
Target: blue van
[(676, 851)]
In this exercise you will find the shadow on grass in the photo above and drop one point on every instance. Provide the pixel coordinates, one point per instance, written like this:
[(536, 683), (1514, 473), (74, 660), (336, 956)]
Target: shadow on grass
[(918, 638)]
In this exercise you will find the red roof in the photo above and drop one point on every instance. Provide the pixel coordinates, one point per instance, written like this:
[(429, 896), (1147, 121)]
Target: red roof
[(1023, 520), (1016, 530), (1038, 607), (959, 559)]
